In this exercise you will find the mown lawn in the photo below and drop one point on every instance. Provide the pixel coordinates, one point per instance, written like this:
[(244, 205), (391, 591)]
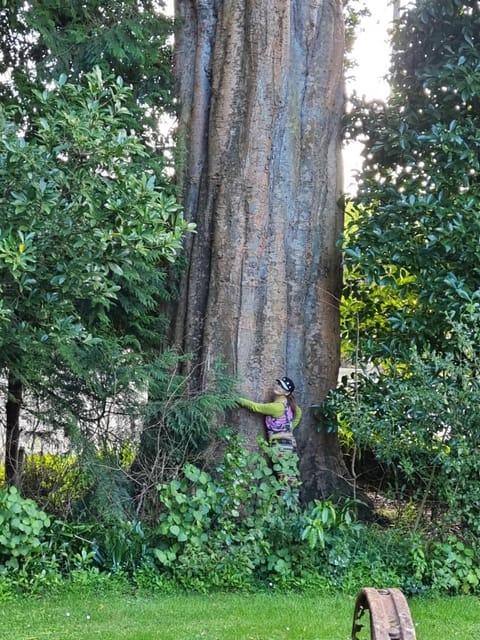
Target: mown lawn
[(218, 617)]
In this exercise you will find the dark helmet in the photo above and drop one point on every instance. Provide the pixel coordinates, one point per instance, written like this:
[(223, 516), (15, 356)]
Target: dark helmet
[(286, 384)]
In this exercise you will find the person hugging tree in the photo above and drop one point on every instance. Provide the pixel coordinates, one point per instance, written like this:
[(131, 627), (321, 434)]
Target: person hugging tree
[(282, 415)]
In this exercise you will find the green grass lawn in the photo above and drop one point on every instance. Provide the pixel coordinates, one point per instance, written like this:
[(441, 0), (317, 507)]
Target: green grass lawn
[(218, 617)]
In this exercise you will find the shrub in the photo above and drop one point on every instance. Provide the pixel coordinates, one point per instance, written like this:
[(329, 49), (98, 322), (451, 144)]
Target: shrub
[(242, 528), (238, 528), (453, 567), (56, 482), (22, 524), (224, 529), (120, 546), (421, 421)]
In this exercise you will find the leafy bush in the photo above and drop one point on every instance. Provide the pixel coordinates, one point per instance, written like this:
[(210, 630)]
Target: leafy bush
[(218, 530), (22, 524), (238, 528), (56, 482), (120, 546), (93, 483), (242, 528), (421, 421), (324, 522), (453, 567)]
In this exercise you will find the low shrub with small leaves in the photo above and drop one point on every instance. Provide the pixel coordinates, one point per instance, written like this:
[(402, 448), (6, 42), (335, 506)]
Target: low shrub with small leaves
[(453, 567), (56, 482)]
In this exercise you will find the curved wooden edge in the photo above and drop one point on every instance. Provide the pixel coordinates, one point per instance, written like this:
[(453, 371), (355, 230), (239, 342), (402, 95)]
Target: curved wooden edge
[(390, 617)]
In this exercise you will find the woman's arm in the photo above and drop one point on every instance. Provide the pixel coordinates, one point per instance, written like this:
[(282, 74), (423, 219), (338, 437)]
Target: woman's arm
[(297, 417), (274, 409)]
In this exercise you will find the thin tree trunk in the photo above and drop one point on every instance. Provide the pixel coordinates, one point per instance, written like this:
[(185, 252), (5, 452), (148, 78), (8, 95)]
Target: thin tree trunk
[(261, 99), (12, 439), (396, 9)]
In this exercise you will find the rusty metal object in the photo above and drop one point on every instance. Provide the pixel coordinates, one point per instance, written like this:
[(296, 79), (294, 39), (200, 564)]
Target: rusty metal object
[(389, 616)]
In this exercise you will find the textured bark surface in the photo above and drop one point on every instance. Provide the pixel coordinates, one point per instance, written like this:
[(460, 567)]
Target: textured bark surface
[(260, 89), (12, 430)]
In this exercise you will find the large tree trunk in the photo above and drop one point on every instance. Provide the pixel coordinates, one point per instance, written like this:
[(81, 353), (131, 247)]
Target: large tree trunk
[(261, 100)]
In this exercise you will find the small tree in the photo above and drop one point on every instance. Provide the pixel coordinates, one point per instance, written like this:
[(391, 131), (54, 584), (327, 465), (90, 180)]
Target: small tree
[(83, 224), (419, 191), (412, 254)]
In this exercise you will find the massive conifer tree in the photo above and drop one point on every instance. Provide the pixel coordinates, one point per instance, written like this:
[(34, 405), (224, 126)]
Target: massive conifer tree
[(260, 88)]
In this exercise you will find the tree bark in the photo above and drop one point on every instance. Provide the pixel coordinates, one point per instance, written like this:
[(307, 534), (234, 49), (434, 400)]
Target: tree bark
[(12, 430), (261, 101), (396, 9)]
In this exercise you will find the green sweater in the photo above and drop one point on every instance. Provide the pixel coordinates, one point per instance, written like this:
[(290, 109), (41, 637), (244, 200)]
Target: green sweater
[(274, 409)]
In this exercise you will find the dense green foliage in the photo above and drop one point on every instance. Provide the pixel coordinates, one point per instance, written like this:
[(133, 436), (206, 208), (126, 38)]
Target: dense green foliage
[(422, 425), (417, 224), (86, 238), (233, 529), (239, 528), (411, 300), (22, 526), (84, 225), (43, 40)]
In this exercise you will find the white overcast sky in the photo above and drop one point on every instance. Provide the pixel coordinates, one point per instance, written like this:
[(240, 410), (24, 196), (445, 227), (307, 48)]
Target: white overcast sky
[(372, 56), (371, 50)]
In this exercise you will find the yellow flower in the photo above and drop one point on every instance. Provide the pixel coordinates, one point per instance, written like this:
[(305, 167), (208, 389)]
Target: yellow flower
[(21, 248)]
